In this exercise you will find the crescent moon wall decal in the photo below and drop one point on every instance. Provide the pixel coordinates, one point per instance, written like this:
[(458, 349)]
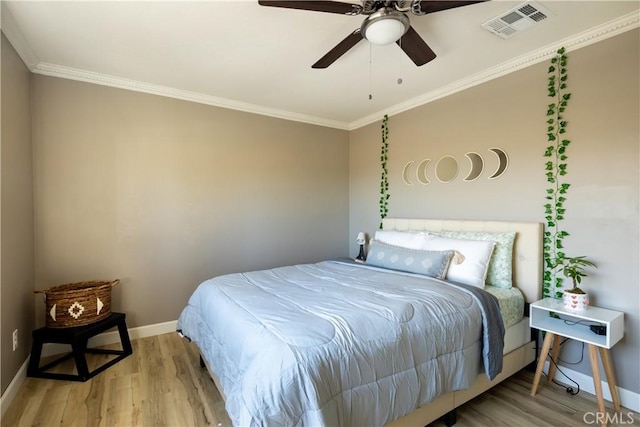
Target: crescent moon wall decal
[(405, 172), (503, 162), (477, 166), (421, 172)]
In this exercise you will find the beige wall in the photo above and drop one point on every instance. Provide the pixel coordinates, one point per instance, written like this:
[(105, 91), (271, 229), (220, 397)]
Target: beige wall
[(16, 214), (164, 194), (602, 206)]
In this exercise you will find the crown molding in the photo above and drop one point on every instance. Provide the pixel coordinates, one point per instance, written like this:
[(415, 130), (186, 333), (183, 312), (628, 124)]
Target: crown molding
[(54, 70), (610, 29), (16, 38)]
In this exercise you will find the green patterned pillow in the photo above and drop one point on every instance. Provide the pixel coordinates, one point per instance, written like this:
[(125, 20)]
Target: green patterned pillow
[(428, 263), (500, 272)]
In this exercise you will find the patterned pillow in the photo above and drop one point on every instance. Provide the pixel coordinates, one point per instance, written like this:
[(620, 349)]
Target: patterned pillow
[(500, 272), (428, 263)]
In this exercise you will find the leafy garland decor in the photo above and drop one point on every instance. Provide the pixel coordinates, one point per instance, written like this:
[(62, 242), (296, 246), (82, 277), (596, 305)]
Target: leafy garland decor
[(556, 168), (384, 182)]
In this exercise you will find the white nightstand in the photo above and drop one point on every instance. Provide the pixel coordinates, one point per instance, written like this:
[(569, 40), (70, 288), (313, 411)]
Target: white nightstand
[(566, 326)]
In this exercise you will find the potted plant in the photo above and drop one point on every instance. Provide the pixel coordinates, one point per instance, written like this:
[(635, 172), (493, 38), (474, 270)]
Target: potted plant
[(574, 268)]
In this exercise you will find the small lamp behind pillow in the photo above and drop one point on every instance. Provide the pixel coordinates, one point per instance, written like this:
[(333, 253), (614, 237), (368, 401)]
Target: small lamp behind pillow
[(361, 240)]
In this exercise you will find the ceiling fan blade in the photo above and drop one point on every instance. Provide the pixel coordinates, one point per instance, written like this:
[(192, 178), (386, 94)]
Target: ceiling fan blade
[(341, 48), (316, 6), (431, 6), (416, 48)]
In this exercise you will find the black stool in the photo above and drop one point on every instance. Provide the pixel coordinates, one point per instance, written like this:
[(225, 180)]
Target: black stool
[(78, 337)]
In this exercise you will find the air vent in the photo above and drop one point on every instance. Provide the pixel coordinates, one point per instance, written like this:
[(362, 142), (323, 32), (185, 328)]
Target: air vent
[(517, 19)]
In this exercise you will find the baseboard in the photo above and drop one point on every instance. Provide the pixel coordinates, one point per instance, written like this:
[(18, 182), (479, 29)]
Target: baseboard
[(99, 340), (13, 388), (628, 399)]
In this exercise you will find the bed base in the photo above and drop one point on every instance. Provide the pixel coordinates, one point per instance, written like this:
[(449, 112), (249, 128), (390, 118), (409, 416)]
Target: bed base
[(445, 405)]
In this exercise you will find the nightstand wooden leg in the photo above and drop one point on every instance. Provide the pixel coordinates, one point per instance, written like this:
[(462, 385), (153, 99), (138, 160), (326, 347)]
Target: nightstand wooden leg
[(543, 356), (554, 356), (611, 380), (597, 381)]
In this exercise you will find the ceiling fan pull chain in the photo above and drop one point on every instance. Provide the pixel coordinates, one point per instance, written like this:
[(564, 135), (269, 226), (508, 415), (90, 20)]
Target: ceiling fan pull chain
[(400, 63), (370, 96)]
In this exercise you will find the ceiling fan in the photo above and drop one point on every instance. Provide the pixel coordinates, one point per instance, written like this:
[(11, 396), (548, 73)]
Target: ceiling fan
[(386, 22)]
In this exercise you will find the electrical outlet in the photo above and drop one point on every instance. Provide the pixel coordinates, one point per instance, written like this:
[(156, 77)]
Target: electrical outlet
[(15, 340)]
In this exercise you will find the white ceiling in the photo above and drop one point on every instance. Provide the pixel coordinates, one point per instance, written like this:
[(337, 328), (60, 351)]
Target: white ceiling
[(240, 55)]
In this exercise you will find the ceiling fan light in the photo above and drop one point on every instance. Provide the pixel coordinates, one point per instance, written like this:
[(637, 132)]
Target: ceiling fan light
[(385, 27)]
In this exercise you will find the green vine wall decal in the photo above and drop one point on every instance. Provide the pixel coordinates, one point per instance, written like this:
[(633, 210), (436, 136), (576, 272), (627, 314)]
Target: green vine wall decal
[(384, 181), (556, 169)]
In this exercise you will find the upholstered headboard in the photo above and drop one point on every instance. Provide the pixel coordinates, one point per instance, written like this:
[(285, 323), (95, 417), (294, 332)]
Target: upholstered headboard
[(527, 251)]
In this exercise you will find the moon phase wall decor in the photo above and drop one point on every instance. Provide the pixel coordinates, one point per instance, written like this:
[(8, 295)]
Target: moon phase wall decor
[(477, 166), (405, 172), (503, 162), (421, 172), (447, 168)]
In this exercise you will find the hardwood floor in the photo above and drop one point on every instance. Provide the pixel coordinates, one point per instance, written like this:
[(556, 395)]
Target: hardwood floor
[(162, 384)]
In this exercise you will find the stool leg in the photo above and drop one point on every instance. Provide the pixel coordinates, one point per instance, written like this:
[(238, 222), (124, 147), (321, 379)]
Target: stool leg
[(80, 358), (124, 337), (34, 360)]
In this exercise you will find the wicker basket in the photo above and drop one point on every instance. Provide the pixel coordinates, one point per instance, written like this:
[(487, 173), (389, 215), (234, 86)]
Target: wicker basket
[(78, 304)]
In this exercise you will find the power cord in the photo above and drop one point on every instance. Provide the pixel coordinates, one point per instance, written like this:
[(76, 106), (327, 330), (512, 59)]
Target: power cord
[(568, 389), (572, 363), (596, 328)]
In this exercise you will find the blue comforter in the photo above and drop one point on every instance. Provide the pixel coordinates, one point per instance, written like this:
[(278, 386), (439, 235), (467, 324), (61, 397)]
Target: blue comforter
[(338, 343)]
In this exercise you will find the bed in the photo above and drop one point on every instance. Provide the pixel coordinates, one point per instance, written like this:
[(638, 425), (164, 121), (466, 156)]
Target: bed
[(341, 343)]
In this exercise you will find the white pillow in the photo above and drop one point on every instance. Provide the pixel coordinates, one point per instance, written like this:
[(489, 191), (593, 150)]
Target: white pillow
[(500, 272), (403, 239), (475, 262)]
